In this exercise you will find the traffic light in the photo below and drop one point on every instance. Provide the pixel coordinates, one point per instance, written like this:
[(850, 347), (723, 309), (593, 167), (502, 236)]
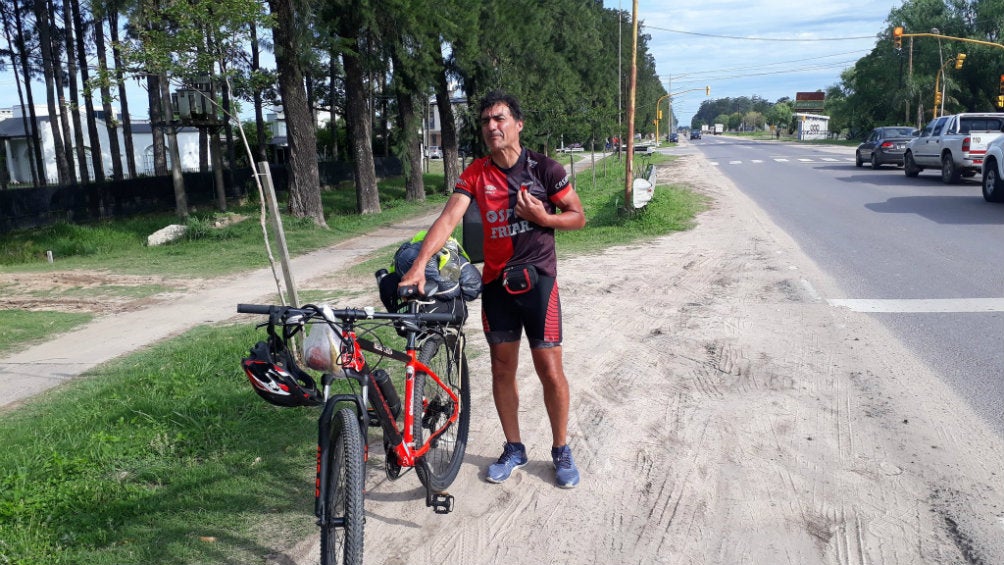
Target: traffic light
[(959, 59), (1000, 92), (897, 38), (937, 99), (1000, 101), (660, 115)]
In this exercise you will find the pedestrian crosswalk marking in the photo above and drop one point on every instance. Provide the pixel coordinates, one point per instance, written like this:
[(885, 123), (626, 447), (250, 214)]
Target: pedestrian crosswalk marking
[(784, 160)]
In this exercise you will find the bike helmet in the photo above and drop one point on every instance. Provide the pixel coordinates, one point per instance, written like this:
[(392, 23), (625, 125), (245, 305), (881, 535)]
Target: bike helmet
[(276, 378)]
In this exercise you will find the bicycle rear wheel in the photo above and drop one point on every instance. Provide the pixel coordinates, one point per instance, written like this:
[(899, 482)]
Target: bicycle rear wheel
[(342, 527), (444, 354)]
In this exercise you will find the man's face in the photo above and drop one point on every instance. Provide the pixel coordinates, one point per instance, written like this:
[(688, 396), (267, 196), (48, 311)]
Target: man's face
[(499, 129)]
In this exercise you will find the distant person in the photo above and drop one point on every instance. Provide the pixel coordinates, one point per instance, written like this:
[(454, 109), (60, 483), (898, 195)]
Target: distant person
[(519, 193)]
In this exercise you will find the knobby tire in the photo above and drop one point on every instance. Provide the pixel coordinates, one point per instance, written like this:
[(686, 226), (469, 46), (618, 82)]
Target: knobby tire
[(343, 544), (444, 354)]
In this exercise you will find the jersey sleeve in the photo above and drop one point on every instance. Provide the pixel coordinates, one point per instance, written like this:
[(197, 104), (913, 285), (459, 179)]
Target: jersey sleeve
[(558, 182), (466, 181)]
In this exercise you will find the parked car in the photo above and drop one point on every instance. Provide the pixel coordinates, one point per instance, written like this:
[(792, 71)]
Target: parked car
[(954, 144), (695, 134), (674, 137), (884, 146), (433, 152), (993, 171)]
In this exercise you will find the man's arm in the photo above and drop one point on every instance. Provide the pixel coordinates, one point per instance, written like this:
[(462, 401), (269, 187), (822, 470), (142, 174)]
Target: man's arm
[(436, 238)]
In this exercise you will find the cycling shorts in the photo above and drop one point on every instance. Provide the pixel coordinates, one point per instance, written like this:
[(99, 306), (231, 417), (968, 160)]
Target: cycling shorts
[(537, 312)]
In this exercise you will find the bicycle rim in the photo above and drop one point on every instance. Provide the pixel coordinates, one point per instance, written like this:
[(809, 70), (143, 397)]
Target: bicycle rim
[(444, 355), (342, 532)]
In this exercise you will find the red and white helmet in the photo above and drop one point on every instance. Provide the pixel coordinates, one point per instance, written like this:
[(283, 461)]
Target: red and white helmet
[(276, 378)]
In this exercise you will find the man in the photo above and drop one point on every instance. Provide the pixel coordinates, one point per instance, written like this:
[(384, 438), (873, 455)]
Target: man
[(519, 193)]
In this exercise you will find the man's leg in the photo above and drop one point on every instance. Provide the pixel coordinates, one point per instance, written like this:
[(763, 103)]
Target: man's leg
[(505, 360), (550, 371)]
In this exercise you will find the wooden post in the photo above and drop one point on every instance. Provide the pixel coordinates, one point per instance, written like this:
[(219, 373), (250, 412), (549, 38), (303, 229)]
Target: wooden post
[(273, 207)]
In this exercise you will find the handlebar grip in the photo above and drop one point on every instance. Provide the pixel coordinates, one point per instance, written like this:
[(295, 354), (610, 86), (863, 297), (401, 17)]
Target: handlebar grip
[(254, 309), (444, 317), (407, 291)]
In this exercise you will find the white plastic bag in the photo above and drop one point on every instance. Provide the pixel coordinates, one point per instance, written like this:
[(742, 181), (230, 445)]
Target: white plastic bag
[(323, 346)]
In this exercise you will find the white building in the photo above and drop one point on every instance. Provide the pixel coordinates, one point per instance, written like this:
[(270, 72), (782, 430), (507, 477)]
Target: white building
[(812, 126), (14, 140)]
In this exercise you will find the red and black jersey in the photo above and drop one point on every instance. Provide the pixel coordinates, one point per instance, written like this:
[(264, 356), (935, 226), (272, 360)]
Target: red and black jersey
[(508, 239)]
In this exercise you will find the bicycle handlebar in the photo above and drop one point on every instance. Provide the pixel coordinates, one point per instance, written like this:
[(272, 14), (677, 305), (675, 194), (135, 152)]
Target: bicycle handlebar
[(351, 313)]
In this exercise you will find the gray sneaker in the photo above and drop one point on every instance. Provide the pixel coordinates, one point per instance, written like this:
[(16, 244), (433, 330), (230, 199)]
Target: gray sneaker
[(513, 457), (566, 474)]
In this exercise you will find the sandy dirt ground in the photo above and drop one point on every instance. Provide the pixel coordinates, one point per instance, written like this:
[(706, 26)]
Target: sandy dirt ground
[(722, 413)]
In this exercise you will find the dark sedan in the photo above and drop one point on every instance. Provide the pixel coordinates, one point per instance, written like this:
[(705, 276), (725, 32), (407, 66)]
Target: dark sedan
[(884, 146)]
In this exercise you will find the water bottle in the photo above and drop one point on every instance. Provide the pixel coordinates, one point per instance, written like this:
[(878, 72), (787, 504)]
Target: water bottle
[(381, 379)]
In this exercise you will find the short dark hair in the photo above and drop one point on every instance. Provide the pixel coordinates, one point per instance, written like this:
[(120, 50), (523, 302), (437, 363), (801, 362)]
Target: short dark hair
[(499, 97)]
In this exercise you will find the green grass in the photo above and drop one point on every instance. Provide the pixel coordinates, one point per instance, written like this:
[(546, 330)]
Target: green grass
[(167, 456), (21, 327)]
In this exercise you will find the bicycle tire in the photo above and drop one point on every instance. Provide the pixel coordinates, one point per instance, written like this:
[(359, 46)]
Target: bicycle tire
[(444, 354), (342, 543)]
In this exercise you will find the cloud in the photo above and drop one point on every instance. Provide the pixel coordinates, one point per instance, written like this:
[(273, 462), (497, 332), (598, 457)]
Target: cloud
[(767, 48)]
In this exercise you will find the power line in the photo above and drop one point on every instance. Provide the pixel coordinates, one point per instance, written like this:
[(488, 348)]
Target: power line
[(782, 39)]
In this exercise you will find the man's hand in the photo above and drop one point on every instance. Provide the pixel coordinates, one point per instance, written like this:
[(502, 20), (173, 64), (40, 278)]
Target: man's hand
[(414, 277), (530, 208)]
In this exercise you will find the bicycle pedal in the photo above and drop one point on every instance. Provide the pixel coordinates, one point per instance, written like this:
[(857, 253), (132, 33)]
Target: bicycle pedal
[(441, 502)]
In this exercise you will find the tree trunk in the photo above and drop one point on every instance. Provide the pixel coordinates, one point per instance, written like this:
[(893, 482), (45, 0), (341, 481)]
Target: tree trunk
[(217, 155), (113, 27), (228, 130), (304, 186), (333, 103), (447, 128), (97, 159), (45, 42), (177, 180), (357, 117), (111, 123), (158, 122), (414, 183), (261, 155), (73, 108)]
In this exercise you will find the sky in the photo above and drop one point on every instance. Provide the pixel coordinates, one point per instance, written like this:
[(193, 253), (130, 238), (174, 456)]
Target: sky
[(765, 48)]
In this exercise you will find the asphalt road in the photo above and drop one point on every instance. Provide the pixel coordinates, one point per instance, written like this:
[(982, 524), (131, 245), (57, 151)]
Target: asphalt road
[(926, 259)]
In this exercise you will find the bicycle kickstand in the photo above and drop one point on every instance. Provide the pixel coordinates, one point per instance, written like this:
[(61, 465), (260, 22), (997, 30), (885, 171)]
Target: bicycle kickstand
[(441, 502)]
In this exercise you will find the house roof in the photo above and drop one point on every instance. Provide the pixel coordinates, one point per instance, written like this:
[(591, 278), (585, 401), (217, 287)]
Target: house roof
[(14, 127)]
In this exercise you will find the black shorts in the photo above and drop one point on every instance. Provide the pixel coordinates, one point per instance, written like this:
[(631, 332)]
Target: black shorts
[(538, 312)]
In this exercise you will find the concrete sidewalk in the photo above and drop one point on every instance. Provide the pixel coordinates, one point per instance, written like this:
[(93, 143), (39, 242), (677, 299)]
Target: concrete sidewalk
[(68, 355)]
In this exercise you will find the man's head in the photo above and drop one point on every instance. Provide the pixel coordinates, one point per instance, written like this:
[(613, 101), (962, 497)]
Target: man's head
[(501, 122)]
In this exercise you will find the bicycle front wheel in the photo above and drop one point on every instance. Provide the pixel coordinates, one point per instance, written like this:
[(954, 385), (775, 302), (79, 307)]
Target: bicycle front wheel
[(342, 525), (444, 354)]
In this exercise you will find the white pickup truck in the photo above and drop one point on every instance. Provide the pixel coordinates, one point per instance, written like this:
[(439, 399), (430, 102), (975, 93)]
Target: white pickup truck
[(955, 144)]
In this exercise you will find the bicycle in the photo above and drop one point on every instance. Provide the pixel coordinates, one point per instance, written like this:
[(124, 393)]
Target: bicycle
[(435, 419)]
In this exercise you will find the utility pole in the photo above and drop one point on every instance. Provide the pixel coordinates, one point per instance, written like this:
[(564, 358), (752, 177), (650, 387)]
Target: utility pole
[(629, 158)]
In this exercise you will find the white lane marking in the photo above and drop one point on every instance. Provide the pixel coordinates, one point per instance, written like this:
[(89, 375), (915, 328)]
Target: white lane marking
[(781, 160), (920, 305), (830, 159), (804, 160), (758, 161), (735, 162)]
